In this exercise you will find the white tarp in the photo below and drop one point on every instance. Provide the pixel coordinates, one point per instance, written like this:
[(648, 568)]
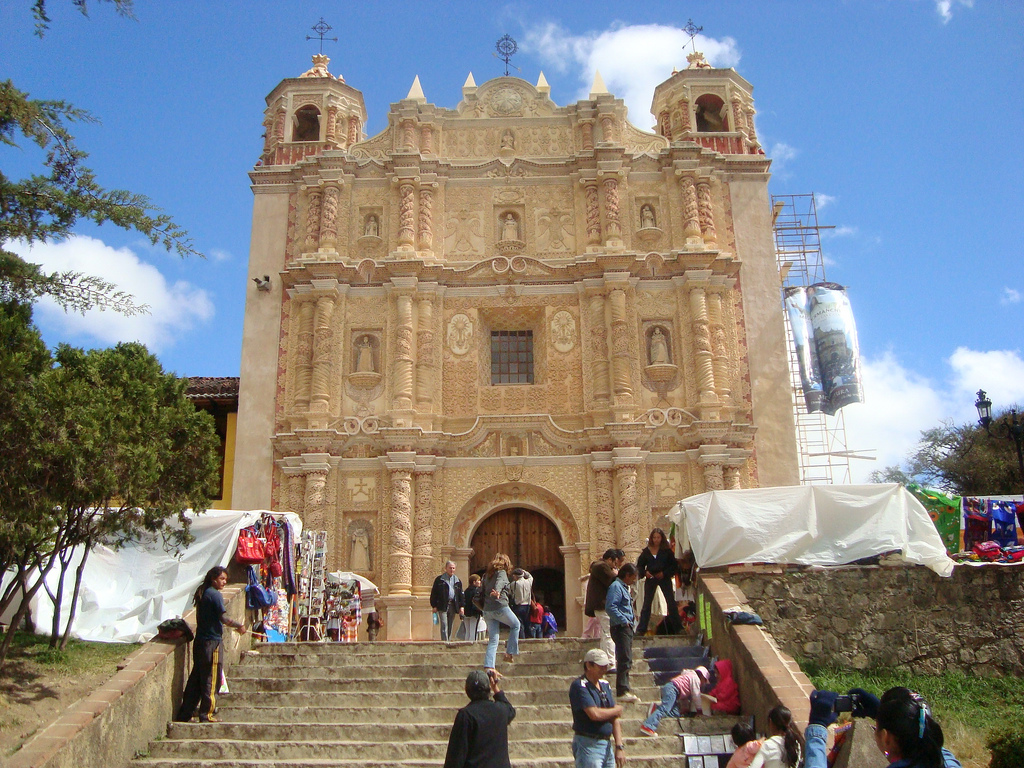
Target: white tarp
[(126, 593), (809, 525)]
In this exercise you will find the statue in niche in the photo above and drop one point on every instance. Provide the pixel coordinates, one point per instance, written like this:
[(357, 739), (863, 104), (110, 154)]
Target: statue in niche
[(372, 228), (659, 348), (647, 220), (359, 551), (510, 228), (508, 139), (364, 361)]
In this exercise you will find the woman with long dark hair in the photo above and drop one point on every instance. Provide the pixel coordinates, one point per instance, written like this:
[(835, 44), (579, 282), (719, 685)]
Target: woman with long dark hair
[(200, 690), (784, 747), (497, 589), (657, 565)]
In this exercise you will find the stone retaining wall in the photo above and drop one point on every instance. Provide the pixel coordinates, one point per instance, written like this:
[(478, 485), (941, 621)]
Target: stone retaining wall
[(872, 616)]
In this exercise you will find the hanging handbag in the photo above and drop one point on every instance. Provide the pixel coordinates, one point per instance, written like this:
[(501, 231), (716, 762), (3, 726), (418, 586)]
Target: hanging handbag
[(258, 597), (250, 549)]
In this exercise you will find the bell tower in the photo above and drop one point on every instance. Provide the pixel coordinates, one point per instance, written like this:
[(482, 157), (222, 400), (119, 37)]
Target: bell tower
[(708, 106)]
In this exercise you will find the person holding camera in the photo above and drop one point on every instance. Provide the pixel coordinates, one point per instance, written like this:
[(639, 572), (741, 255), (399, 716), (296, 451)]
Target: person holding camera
[(479, 737), (905, 731)]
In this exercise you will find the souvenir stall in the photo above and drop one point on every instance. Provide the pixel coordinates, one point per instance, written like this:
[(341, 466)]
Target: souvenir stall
[(990, 529), (268, 549)]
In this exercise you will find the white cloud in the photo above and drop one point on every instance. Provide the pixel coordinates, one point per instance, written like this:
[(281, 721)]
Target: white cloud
[(1010, 296), (945, 8), (781, 152), (219, 254), (843, 230), (632, 59), (822, 200), (173, 307), (900, 404)]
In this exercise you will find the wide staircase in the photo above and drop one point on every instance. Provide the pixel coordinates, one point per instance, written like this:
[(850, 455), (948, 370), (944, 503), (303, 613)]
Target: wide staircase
[(371, 705)]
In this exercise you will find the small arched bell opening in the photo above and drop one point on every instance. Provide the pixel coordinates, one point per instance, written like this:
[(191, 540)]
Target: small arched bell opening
[(711, 114), (307, 124)]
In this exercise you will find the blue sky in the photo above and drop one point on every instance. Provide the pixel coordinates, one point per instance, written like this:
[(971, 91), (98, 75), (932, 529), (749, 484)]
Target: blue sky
[(904, 116)]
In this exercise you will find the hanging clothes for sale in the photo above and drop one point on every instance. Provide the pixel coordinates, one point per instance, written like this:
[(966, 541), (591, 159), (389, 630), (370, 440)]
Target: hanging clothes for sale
[(1004, 522), (977, 523)]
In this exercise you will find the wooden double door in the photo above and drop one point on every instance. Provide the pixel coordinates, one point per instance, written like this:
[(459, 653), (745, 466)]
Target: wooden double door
[(531, 541)]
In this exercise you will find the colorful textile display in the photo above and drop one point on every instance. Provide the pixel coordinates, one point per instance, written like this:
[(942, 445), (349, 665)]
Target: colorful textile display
[(945, 513), (977, 524), (1004, 523), (344, 608)]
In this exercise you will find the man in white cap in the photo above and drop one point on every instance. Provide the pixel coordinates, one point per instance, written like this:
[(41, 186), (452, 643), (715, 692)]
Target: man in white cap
[(597, 731), (680, 694)]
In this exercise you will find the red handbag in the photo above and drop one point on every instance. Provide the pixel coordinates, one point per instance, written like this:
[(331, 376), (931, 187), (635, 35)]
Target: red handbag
[(250, 549)]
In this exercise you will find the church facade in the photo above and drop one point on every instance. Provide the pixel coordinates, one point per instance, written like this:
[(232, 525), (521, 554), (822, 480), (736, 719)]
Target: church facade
[(507, 326)]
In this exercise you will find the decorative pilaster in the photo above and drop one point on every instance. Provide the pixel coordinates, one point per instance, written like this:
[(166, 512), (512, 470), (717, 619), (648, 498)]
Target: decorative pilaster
[(599, 350), (331, 134), (621, 358), (315, 503), (268, 133), (632, 529), (587, 131), (313, 220), (691, 217), (607, 129), (613, 231), (407, 216), (329, 218), (751, 133), (425, 355), (732, 478), (702, 345), (738, 121), (720, 359), (423, 535), (279, 121), (295, 495), (353, 130), (706, 212), (403, 363), (408, 136), (323, 345), (604, 509), (593, 213), (684, 116), (401, 528), (426, 233), (666, 124), (713, 477), (304, 355), (426, 140)]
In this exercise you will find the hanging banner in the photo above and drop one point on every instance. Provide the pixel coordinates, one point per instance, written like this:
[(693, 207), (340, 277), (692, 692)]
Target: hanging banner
[(945, 513), (826, 343)]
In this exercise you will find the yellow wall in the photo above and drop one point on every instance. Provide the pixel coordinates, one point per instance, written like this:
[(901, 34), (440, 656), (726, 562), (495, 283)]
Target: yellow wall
[(229, 464)]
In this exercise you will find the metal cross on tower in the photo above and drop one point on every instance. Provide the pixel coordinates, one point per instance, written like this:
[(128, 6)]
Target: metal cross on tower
[(692, 29), (321, 28), (506, 48)]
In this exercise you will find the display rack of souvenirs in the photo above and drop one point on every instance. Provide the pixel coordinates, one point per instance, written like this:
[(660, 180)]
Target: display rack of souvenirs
[(990, 529), (268, 547), (343, 608), (312, 582)]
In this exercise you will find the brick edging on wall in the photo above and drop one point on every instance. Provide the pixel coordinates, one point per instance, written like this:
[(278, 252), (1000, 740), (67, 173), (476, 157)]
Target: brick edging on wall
[(109, 725)]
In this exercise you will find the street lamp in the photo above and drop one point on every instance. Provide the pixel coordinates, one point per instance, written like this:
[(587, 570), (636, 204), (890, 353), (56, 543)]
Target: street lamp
[(1011, 427)]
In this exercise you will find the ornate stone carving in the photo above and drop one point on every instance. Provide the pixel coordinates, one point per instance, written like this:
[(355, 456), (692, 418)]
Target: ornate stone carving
[(323, 340), (587, 130), (732, 478), (599, 350), (563, 331), (401, 530), (315, 517), (304, 355), (460, 333), (464, 234), (403, 355), (425, 355), (360, 552), (407, 216), (313, 220), (706, 211), (296, 495), (633, 534), (702, 344), (426, 219), (604, 509), (720, 355), (684, 116), (713, 477), (621, 357), (426, 140), (506, 102), (611, 209), (329, 217), (423, 534), (593, 214), (607, 129), (691, 220), (555, 231)]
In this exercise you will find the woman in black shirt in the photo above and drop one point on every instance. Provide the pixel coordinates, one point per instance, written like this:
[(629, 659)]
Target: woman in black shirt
[(657, 565)]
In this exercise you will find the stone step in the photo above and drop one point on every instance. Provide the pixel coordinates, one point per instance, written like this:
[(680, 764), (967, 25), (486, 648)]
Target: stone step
[(371, 749), (642, 685), (531, 665), (472, 656), (377, 699), (566, 761), (404, 648)]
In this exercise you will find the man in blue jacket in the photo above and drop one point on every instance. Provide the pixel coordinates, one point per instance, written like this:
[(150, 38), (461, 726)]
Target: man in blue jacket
[(619, 605)]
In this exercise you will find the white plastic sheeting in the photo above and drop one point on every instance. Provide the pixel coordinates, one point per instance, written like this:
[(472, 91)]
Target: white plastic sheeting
[(126, 593), (809, 525)]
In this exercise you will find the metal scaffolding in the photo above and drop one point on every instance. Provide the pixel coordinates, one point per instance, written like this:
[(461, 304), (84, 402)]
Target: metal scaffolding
[(821, 439)]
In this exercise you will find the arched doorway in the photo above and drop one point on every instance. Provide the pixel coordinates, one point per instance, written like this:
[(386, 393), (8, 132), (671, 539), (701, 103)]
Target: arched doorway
[(531, 540)]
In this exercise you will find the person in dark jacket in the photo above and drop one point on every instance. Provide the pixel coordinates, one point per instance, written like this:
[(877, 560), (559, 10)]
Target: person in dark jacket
[(200, 690), (472, 614), (447, 601), (479, 737), (602, 574), (657, 565)]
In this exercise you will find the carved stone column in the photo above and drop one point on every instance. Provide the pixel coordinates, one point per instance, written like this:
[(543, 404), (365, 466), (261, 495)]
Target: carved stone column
[(426, 140), (738, 121), (720, 358), (407, 216), (587, 132), (706, 211), (323, 346), (295, 495), (329, 218), (425, 355), (426, 233), (315, 503), (304, 354), (331, 134), (633, 534), (611, 209), (268, 133), (574, 565), (732, 478), (408, 136), (684, 116), (401, 529), (313, 220), (604, 508), (423, 535), (607, 129), (593, 213), (403, 362), (751, 133), (702, 345), (279, 121), (621, 358), (665, 119), (713, 477), (353, 130), (691, 217), (599, 351)]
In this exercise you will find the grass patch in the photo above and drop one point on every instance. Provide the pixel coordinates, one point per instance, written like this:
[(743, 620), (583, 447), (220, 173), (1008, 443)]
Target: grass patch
[(968, 708), (77, 658)]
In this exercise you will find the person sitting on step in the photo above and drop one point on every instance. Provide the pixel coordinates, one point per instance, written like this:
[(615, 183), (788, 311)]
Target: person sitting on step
[(681, 693)]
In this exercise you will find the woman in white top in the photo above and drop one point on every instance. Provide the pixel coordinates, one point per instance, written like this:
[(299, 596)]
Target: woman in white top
[(784, 747)]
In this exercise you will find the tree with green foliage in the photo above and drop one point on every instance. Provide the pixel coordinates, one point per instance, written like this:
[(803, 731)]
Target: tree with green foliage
[(46, 206), (962, 460), (115, 452)]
